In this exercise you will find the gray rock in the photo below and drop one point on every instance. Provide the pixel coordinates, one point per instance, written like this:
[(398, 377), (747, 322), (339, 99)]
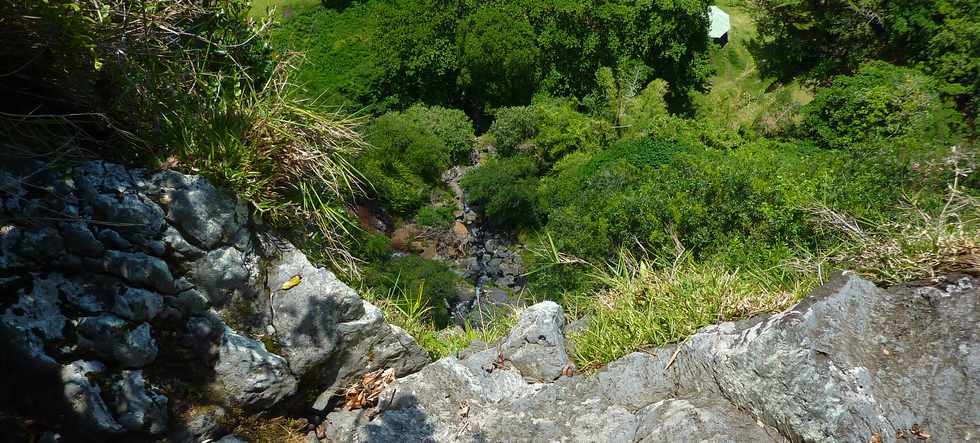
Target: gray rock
[(86, 294), (231, 438), (698, 420), (190, 302), (224, 274), (306, 316), (859, 360), (368, 345), (206, 217), (176, 242), (33, 320), (84, 397), (138, 269), (136, 406), (203, 424), (506, 281), (22, 248), (155, 247), (113, 239), (328, 334), (536, 345), (136, 218), (167, 249), (137, 304), (80, 240), (51, 437), (850, 363), (111, 338), (248, 375)]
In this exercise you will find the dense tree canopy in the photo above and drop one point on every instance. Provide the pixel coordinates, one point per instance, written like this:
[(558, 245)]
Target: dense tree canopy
[(942, 37), (501, 52)]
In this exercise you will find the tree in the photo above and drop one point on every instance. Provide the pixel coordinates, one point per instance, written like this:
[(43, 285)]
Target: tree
[(825, 38), (500, 62)]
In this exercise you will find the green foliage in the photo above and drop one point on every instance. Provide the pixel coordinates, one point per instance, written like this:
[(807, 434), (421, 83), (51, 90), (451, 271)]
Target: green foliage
[(561, 130), (373, 247), (66, 57), (512, 127), (431, 280), (881, 103), (749, 204), (942, 37), (467, 54), (645, 304), (438, 217), (450, 126), (577, 38), (505, 191), (410, 150), (500, 62), (199, 91), (340, 65), (416, 44), (409, 311)]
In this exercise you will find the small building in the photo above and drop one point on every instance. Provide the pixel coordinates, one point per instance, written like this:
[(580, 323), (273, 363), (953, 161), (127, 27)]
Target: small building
[(720, 25)]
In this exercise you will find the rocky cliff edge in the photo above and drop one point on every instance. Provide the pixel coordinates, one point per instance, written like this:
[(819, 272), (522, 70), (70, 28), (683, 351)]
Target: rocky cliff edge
[(129, 298)]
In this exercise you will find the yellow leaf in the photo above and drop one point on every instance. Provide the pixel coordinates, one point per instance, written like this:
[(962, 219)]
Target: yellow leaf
[(291, 283)]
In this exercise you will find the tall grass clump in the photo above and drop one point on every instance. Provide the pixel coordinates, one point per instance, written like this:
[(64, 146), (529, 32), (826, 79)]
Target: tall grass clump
[(188, 85), (921, 241), (408, 309), (644, 303)]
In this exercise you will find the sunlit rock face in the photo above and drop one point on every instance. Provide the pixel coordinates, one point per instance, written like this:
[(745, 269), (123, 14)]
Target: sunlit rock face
[(126, 295), (852, 362)]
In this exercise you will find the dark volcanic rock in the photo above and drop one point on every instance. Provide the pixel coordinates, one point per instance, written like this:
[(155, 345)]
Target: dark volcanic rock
[(126, 284), (113, 339)]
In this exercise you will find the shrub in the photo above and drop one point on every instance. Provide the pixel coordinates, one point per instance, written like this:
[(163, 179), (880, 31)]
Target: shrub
[(408, 311), (68, 58), (435, 216), (512, 127), (505, 191), (347, 70), (223, 109), (645, 304), (941, 37), (500, 62), (666, 194), (880, 102), (450, 126), (561, 130), (410, 274), (433, 52), (373, 247), (410, 150)]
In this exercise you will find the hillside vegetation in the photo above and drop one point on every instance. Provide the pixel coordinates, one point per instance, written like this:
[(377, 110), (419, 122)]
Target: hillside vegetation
[(655, 180)]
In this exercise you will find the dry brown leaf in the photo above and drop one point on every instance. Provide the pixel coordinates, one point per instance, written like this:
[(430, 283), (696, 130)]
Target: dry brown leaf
[(568, 370), (918, 433), (365, 392)]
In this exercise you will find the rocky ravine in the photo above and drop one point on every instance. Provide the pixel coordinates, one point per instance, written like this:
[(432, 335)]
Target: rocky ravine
[(116, 285), (144, 307), (851, 363)]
